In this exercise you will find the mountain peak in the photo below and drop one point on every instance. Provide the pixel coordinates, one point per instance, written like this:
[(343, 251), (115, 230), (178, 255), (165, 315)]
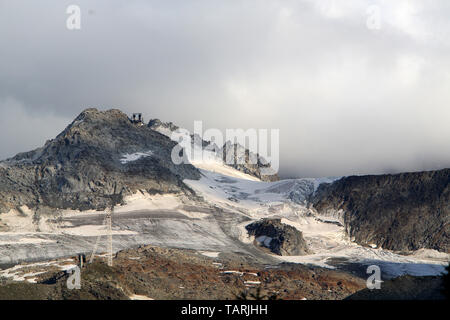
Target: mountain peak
[(93, 114), (99, 155)]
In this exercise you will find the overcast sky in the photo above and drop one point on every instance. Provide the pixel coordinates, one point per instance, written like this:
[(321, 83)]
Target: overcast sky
[(347, 96)]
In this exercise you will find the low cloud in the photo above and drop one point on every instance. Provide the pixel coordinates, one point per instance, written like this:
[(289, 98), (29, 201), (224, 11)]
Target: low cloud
[(347, 99)]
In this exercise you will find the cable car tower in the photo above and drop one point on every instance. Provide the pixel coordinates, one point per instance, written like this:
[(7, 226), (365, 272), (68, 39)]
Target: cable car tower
[(108, 223)]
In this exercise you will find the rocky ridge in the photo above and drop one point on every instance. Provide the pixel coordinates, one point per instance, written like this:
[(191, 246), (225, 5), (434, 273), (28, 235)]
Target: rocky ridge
[(406, 211), (97, 160), (242, 159)]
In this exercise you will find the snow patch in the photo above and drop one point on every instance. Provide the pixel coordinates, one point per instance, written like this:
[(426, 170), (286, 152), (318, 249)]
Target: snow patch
[(252, 282), (26, 241), (264, 240), (139, 297), (129, 157), (218, 166), (23, 221), (211, 254), (95, 230), (142, 200), (21, 272)]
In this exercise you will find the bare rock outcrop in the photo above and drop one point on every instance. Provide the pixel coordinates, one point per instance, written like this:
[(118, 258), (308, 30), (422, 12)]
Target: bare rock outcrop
[(406, 211), (99, 158), (280, 238)]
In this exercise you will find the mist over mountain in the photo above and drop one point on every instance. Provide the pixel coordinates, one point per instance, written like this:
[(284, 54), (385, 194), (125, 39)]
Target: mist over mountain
[(352, 100), (102, 157)]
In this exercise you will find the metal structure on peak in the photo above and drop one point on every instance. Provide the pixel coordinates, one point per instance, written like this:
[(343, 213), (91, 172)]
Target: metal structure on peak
[(136, 118)]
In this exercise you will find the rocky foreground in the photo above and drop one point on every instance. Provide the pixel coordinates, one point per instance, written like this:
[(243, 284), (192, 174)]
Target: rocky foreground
[(154, 273), (159, 273)]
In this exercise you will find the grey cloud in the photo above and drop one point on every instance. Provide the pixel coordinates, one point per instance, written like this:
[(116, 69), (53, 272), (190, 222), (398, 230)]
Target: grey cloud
[(347, 100)]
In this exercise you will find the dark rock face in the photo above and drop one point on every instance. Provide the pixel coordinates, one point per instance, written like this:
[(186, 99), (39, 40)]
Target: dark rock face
[(280, 238), (405, 211), (96, 160)]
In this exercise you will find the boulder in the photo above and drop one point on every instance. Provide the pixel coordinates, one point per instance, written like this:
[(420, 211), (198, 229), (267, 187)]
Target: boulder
[(280, 238)]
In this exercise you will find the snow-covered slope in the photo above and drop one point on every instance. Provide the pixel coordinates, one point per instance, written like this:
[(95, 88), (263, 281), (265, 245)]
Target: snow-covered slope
[(256, 198), (325, 236), (204, 154)]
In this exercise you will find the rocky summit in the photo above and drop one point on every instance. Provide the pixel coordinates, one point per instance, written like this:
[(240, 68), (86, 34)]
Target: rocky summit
[(99, 158)]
